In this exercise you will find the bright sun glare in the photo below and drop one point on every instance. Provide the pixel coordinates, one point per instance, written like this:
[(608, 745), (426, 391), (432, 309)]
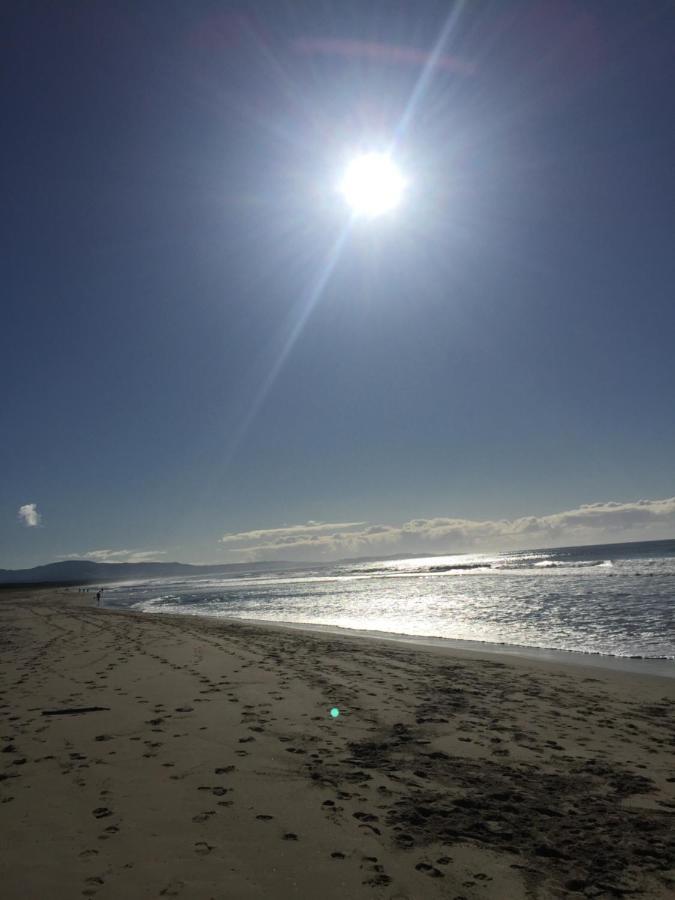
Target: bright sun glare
[(372, 185)]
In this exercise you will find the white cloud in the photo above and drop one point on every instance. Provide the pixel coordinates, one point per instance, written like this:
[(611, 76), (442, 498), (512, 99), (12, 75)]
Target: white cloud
[(131, 556), (29, 515), (589, 523), (287, 531)]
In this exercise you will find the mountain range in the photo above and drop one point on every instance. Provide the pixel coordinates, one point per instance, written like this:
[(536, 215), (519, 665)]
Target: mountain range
[(83, 571)]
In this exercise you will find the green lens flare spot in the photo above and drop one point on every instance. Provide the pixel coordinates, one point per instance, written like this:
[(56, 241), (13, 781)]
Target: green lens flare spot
[(335, 712)]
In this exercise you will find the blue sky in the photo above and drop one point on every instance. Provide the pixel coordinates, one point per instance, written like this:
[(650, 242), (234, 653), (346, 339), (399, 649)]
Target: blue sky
[(500, 347)]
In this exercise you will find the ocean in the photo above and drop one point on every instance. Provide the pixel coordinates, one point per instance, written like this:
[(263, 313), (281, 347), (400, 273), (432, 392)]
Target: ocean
[(609, 599)]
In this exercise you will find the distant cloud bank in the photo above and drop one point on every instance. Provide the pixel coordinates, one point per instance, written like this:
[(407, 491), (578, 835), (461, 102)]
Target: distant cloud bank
[(29, 515), (110, 556), (591, 523), (289, 534)]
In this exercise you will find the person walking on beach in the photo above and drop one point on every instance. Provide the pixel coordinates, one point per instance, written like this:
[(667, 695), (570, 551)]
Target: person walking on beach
[(98, 598)]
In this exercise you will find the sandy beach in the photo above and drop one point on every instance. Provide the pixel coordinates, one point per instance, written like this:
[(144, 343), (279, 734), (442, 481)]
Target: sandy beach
[(150, 756)]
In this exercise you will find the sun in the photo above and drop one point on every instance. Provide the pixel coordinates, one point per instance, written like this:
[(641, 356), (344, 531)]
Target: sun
[(372, 185)]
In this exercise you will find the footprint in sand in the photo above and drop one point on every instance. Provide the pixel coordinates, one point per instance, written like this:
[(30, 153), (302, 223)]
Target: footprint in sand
[(202, 848), (366, 817), (101, 812), (204, 816), (378, 879), (430, 870)]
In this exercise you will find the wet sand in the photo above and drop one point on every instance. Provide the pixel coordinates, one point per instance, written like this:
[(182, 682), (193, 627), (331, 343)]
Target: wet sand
[(150, 756)]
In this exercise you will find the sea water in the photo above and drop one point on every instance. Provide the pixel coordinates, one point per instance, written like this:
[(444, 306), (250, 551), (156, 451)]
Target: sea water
[(610, 599)]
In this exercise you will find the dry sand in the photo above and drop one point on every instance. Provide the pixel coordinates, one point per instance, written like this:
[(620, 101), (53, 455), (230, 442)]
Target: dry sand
[(214, 769)]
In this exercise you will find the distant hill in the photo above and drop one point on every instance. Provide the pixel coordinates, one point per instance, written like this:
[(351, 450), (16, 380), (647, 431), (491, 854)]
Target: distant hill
[(82, 571)]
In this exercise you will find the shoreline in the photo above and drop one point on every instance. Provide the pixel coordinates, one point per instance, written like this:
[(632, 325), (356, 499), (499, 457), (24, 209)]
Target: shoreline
[(150, 755), (623, 656), (661, 667)]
